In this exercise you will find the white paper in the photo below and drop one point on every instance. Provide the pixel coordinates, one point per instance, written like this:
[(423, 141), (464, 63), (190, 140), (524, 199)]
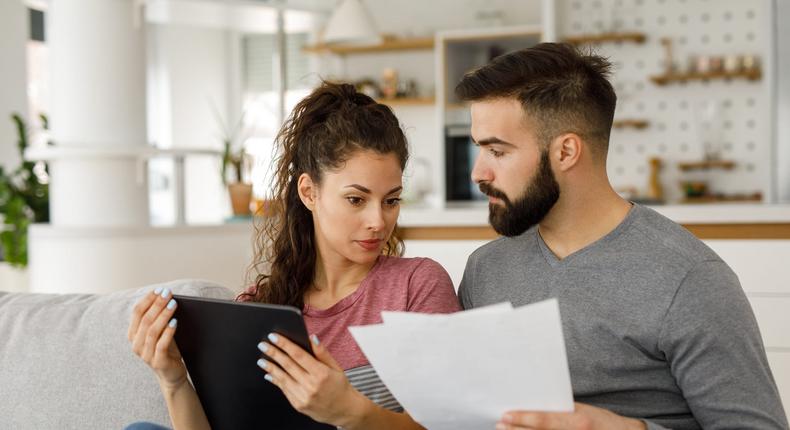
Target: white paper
[(463, 371), (397, 317)]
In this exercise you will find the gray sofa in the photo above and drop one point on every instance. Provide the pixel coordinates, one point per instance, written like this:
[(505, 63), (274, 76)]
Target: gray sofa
[(65, 362)]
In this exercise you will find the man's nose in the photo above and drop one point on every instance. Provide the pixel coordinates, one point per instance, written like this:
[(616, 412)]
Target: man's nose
[(480, 171)]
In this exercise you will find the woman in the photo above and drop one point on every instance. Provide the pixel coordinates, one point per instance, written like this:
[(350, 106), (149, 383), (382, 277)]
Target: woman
[(333, 253)]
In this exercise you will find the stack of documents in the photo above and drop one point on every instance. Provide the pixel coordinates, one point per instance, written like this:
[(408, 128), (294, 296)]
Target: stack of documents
[(464, 370)]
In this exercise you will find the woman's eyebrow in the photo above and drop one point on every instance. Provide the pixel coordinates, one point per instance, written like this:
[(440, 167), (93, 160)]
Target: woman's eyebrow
[(367, 191)]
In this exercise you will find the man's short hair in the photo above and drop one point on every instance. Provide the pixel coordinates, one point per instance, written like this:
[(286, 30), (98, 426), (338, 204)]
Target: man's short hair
[(562, 89)]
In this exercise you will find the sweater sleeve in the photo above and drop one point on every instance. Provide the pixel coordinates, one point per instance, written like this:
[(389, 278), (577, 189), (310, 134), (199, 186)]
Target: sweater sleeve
[(712, 343)]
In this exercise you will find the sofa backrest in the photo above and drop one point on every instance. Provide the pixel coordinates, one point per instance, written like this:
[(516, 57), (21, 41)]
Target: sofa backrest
[(65, 362)]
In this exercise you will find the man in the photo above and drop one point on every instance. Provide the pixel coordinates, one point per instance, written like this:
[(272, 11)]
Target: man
[(658, 331)]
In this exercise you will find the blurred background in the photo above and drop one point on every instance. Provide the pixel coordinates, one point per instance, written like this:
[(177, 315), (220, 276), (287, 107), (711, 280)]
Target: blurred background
[(136, 136)]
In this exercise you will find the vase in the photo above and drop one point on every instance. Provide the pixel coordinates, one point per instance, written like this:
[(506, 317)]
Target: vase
[(240, 198)]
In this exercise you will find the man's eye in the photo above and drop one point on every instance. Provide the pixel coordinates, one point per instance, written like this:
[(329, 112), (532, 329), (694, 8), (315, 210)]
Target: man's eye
[(355, 201), (495, 153)]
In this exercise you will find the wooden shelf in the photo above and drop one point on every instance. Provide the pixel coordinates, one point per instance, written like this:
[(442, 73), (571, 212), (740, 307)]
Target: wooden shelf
[(408, 101), (388, 45), (584, 39), (702, 165), (751, 75), (631, 123), (722, 198)]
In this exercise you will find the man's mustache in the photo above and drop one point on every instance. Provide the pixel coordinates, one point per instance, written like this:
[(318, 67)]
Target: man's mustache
[(490, 191)]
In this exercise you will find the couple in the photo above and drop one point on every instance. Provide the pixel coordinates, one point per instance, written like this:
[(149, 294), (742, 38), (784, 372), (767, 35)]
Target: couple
[(658, 331)]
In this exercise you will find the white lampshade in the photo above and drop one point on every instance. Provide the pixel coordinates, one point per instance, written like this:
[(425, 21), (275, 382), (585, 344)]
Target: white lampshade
[(351, 23)]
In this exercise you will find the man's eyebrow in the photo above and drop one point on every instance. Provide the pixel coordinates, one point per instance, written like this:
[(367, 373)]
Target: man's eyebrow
[(491, 140), (367, 191)]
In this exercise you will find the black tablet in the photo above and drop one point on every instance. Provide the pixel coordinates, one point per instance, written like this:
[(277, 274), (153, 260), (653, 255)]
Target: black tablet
[(218, 340)]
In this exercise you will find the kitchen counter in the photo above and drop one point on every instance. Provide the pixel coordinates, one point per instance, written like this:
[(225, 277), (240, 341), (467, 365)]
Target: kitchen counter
[(708, 221)]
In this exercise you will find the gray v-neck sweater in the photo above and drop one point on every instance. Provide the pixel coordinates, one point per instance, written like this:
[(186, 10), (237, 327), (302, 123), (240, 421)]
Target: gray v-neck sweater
[(656, 325)]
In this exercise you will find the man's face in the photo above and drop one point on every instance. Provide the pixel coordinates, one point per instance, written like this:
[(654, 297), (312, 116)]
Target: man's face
[(511, 167)]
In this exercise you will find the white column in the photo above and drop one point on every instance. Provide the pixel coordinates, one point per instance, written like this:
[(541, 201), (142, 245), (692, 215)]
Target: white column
[(98, 95), (13, 76)]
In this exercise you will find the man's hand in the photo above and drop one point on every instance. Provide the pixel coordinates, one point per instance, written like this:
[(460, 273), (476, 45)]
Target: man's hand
[(584, 417)]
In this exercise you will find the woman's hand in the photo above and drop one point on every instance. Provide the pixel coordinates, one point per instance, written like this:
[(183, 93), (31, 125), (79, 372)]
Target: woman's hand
[(151, 333), (315, 386)]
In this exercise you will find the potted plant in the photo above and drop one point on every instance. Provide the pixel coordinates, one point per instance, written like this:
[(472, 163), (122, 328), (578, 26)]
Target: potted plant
[(234, 167), (24, 199)]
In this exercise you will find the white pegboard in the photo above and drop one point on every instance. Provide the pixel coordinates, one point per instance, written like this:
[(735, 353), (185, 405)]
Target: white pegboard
[(741, 125)]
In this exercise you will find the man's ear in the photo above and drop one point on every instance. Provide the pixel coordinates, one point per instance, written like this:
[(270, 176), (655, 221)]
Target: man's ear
[(567, 150), (307, 191)]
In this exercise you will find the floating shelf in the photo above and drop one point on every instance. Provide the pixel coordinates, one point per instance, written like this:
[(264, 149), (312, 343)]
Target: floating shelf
[(408, 101), (702, 165), (751, 75), (388, 45), (723, 198), (584, 39), (631, 123)]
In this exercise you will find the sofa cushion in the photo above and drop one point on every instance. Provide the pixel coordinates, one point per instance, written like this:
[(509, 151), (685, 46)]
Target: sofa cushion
[(65, 362)]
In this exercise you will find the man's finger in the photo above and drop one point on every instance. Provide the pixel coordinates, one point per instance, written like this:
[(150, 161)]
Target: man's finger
[(542, 420)]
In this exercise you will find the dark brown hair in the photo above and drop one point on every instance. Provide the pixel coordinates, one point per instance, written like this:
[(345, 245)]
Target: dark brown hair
[(562, 89), (324, 130)]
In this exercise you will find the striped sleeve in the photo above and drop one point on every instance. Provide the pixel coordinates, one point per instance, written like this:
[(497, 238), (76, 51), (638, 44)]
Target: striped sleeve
[(365, 380)]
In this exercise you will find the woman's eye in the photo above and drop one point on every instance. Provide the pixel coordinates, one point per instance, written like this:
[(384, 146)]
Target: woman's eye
[(355, 201), (392, 202)]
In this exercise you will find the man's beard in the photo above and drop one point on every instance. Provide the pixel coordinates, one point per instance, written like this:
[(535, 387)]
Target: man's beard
[(530, 208)]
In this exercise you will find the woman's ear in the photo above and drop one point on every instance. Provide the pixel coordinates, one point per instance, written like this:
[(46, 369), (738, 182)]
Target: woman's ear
[(307, 191)]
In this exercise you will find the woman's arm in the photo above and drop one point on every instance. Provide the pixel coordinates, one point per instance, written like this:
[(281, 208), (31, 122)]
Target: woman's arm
[(184, 407), (318, 387), (151, 332), (369, 415)]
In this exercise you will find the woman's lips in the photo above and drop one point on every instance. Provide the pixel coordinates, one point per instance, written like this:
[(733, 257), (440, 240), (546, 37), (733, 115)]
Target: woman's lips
[(369, 245)]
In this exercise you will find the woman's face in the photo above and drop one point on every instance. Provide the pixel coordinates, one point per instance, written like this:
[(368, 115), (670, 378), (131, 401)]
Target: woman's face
[(356, 206)]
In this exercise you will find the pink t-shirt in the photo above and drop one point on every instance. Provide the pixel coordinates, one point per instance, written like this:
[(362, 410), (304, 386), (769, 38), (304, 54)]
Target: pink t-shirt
[(393, 284)]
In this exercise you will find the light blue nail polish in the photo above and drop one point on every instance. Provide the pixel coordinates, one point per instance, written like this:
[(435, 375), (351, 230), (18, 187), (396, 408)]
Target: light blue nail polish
[(171, 304), (268, 377), (172, 322), (262, 363), (263, 347), (273, 337), (165, 293), (314, 338), (158, 290)]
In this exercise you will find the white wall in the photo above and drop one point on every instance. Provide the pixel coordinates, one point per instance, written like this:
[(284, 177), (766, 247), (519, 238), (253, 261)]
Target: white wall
[(102, 260), (782, 19), (13, 75), (188, 70)]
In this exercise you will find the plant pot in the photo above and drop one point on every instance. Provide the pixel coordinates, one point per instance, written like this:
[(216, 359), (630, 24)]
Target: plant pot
[(240, 198)]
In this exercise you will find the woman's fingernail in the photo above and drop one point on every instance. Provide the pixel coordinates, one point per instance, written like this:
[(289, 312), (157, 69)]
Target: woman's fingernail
[(165, 293), (263, 347), (314, 338), (158, 290), (273, 337), (171, 304), (268, 377), (172, 323), (262, 363)]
